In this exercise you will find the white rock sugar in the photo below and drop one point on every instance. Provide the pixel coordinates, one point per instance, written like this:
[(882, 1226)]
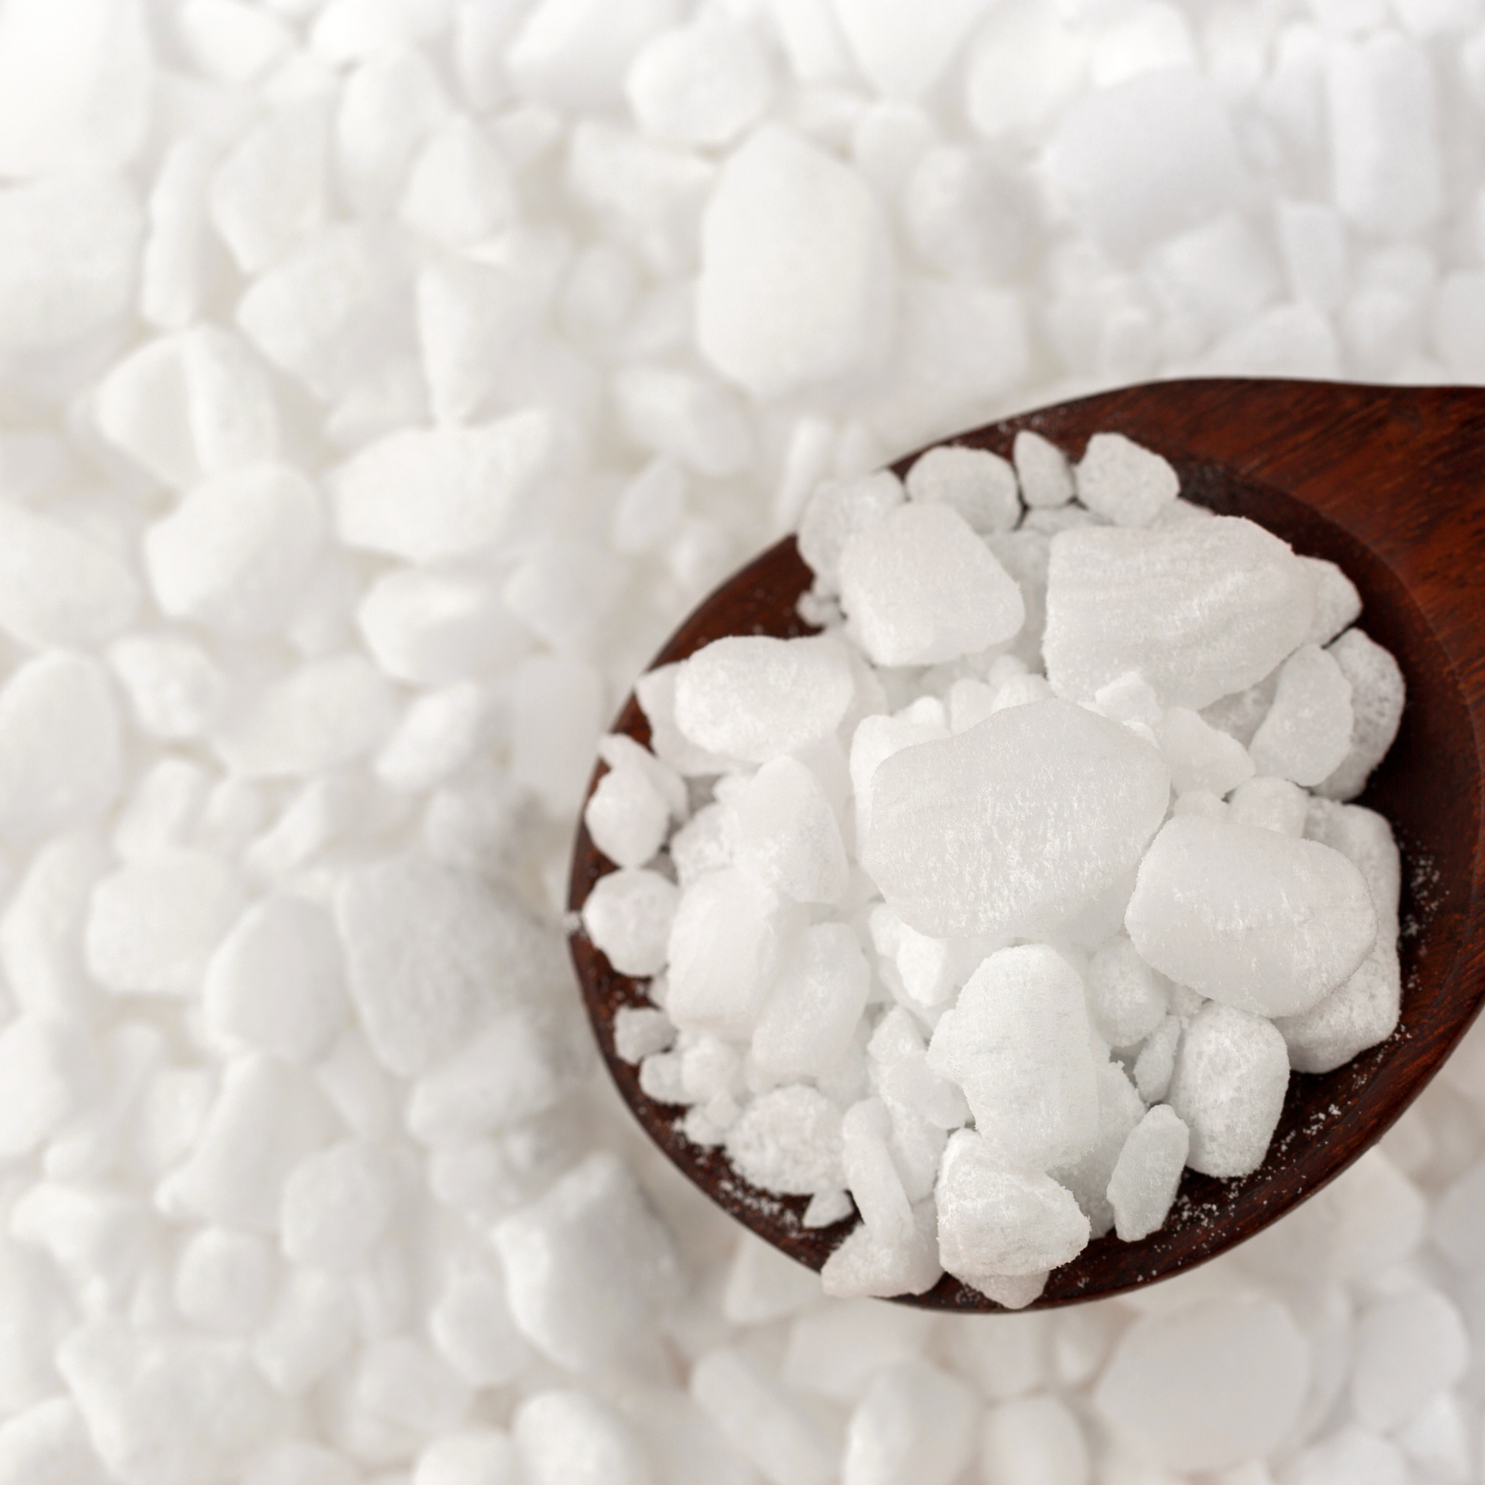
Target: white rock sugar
[(1081, 921)]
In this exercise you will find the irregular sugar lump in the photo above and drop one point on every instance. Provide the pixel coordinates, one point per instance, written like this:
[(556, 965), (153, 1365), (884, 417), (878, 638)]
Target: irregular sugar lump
[(753, 697), (1250, 917), (1020, 820), (1200, 609)]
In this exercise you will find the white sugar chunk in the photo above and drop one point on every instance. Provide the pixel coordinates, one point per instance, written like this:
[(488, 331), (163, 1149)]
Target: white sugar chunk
[(915, 1426), (223, 1280), (232, 41), (1337, 603), (402, 1382), (870, 1175), (726, 942), (172, 269), (796, 268), (980, 485), (331, 308), (1123, 482), (876, 739), (1307, 732), (810, 1014), (1410, 1347), (472, 1328), (1017, 1042), (571, 1438), (49, 1443), (519, 1066), (918, 587), (785, 834), (1126, 998), (861, 1266), (1143, 1184), (626, 816), (1210, 1384), (1377, 691), (763, 1284), (901, 59), (175, 688), (834, 1350), (1439, 1438), (1275, 804), (50, 1072), (237, 552), (336, 1204), (459, 190), (752, 697), (433, 628), (470, 482), (650, 508), (41, 931), (439, 733), (59, 744), (1241, 713), (948, 817), (1119, 1110), (1201, 609), (835, 512), (565, 592), (587, 1265), (1250, 917), (1045, 476), (1033, 1437), (1141, 159), (1199, 755), (574, 53), (312, 1327), (265, 1119), (387, 106), (1349, 1453), (629, 916), (1364, 1010), (995, 1220), (270, 190), (76, 89), (322, 714), (167, 1407), (687, 417), (153, 926), (58, 587), (1156, 1063), (72, 244), (276, 982), (620, 751), (925, 968), (558, 705), (1228, 1088), (433, 954), (701, 84), (1386, 170), (789, 1140), (763, 1421)]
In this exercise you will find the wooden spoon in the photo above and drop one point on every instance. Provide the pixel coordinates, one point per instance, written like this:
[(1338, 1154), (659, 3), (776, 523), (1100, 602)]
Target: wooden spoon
[(1388, 482)]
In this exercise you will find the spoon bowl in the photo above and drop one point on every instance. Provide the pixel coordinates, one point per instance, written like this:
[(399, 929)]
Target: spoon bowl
[(1388, 483)]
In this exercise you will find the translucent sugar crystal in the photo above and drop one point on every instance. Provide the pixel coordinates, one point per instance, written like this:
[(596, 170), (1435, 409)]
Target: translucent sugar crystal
[(980, 485), (918, 587), (1145, 1177), (1231, 1073), (726, 943), (995, 1220), (1019, 820), (752, 697), (1042, 468), (789, 1140), (785, 834), (1337, 603), (1307, 733), (1120, 1109), (1250, 917), (1017, 1041), (1208, 1385), (1124, 483), (626, 817), (628, 915), (1127, 998), (811, 1012), (1377, 691), (1200, 609)]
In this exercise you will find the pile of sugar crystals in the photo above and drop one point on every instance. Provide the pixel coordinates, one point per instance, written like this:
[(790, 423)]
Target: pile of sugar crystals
[(1024, 884)]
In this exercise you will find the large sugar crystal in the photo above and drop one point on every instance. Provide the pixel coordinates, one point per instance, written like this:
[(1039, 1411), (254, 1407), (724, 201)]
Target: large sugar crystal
[(1250, 917), (1018, 1043), (1201, 609), (1018, 821)]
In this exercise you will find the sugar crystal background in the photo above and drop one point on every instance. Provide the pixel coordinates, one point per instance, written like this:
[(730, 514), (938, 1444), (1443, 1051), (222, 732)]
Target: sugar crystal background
[(380, 382)]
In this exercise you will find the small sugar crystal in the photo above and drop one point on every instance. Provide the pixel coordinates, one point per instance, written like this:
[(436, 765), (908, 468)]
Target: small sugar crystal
[(1306, 735), (1145, 1177), (789, 1140), (629, 915), (1377, 692), (980, 485), (785, 835), (1122, 482)]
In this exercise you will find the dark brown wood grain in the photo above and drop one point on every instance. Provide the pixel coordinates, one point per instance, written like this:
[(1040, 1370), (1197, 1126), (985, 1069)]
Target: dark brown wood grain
[(1390, 484)]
